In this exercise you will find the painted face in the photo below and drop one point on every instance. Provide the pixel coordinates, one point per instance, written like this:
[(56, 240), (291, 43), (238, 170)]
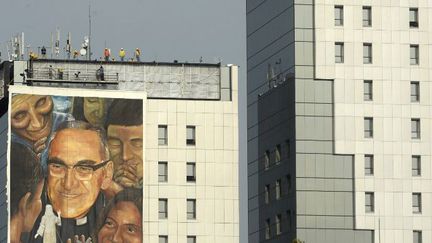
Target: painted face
[(71, 189), (126, 147), (123, 224), (94, 110), (31, 116)]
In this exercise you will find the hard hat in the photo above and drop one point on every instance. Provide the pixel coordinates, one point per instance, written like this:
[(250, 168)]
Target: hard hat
[(121, 48)]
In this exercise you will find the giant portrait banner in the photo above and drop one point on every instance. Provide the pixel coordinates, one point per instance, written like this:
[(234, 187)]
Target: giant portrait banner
[(75, 165)]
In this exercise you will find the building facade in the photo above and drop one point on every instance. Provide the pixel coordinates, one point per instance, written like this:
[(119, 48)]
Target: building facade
[(190, 183), (339, 121)]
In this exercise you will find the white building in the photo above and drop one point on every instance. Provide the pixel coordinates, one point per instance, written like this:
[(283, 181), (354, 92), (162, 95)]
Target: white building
[(191, 185), (359, 120)]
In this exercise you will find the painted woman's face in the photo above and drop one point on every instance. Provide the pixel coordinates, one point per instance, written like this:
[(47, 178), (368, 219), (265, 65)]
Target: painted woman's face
[(123, 224), (31, 116), (94, 110)]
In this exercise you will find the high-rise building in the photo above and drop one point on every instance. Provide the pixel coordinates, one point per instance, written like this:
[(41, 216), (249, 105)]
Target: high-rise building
[(339, 121), (190, 168)]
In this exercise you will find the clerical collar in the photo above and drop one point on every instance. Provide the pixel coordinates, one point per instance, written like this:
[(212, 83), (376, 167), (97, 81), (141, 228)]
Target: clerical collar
[(81, 221)]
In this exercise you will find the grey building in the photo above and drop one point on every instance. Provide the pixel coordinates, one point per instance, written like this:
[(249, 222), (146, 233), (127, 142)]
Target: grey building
[(298, 187)]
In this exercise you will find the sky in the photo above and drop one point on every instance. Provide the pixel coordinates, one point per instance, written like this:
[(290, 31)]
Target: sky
[(164, 30)]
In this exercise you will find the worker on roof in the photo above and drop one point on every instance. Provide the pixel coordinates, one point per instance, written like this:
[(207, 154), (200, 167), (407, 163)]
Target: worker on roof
[(122, 54), (43, 51), (33, 56), (138, 54), (75, 54), (107, 54)]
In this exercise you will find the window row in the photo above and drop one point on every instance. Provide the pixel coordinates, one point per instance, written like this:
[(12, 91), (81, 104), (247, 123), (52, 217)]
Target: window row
[(190, 239), (163, 171), (368, 91), (367, 16), (163, 135), (275, 157), (369, 165), (281, 187), (281, 224), (415, 128), (190, 208), (367, 53), (416, 202)]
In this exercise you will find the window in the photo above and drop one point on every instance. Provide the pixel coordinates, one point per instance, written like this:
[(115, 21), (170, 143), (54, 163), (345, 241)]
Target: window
[(417, 236), (367, 90), (339, 15), (191, 208), (288, 148), (190, 135), (278, 224), (368, 127), (416, 203), (278, 189), (367, 53), (162, 134), (339, 52), (163, 239), (267, 229), (414, 54), (416, 165), (191, 239), (163, 171), (288, 215), (413, 18), (367, 16), (369, 164), (266, 160), (267, 194), (190, 172), (369, 202), (278, 154), (415, 91), (163, 208), (288, 178), (415, 128)]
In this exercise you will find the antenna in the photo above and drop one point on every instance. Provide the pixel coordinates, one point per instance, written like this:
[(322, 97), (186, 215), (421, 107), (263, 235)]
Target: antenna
[(89, 36)]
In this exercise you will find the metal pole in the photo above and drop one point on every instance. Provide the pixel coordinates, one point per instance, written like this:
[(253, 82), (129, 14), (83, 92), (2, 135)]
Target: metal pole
[(89, 45)]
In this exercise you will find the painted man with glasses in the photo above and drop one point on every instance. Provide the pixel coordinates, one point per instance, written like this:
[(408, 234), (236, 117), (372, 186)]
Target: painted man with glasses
[(79, 169)]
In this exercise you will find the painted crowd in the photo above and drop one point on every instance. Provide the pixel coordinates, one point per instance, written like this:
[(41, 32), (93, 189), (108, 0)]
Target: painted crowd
[(76, 169)]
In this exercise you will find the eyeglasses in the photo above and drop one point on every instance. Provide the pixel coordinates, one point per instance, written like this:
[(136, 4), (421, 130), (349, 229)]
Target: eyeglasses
[(83, 170)]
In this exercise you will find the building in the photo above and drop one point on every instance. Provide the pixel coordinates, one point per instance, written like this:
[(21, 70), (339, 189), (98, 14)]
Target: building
[(339, 122), (191, 189)]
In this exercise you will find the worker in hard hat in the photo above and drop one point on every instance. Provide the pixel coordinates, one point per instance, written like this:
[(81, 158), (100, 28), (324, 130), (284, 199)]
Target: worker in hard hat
[(122, 54), (33, 56), (138, 54), (75, 54), (107, 54)]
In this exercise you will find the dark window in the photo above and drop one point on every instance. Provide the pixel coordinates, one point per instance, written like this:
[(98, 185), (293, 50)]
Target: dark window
[(190, 135), (339, 52), (339, 15), (367, 16), (369, 164), (415, 91), (367, 90), (162, 135), (413, 18), (367, 53), (190, 171)]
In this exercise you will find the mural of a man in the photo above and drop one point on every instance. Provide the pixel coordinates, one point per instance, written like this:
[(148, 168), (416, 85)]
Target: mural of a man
[(125, 140), (121, 221), (27, 182), (33, 121), (78, 169)]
